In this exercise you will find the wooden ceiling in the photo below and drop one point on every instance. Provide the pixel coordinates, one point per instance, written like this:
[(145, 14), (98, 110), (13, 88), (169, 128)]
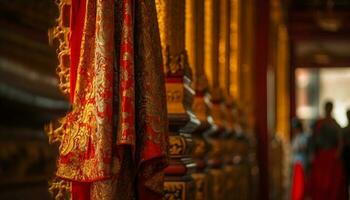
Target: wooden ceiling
[(313, 45)]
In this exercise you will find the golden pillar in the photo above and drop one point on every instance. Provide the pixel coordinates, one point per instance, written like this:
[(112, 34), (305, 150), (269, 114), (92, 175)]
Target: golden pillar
[(246, 47), (282, 107), (225, 61), (282, 86), (234, 45), (242, 88), (194, 45), (179, 183), (280, 64), (212, 69)]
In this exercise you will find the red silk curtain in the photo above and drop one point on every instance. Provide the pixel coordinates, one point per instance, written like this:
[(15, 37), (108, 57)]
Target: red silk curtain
[(116, 80)]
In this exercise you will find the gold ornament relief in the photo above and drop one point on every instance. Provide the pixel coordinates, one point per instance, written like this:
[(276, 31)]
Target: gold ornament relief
[(177, 145), (175, 94), (174, 191)]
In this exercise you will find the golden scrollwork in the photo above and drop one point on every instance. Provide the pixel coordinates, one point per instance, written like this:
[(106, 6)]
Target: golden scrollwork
[(177, 64)]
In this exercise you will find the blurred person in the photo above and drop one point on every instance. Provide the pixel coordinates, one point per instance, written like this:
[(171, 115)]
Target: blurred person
[(299, 149), (346, 148), (327, 180)]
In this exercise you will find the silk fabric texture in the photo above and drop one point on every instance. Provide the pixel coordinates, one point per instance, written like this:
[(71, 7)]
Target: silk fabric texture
[(114, 143)]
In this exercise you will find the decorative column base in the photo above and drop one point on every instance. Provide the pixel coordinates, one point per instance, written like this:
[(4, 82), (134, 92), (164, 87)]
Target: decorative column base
[(179, 183), (179, 189)]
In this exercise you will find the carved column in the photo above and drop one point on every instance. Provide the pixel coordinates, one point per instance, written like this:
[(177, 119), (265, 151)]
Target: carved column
[(194, 22), (179, 183)]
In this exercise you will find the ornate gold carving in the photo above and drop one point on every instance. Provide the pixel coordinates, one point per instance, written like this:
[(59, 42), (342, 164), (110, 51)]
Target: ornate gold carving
[(177, 145), (177, 65), (175, 96), (174, 191)]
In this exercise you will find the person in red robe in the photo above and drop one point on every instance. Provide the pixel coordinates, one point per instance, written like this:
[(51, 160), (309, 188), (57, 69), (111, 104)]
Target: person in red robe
[(299, 144), (327, 178), (346, 148)]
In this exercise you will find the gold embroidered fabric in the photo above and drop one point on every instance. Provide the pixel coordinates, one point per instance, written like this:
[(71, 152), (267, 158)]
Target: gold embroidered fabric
[(85, 149)]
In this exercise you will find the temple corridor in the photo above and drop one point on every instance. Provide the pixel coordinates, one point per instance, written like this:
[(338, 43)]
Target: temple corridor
[(175, 99)]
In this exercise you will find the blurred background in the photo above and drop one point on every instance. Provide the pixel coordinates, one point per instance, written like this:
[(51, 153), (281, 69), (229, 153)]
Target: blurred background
[(29, 98)]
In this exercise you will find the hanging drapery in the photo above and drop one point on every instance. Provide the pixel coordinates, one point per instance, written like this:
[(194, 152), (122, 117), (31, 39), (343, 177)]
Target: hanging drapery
[(113, 141)]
